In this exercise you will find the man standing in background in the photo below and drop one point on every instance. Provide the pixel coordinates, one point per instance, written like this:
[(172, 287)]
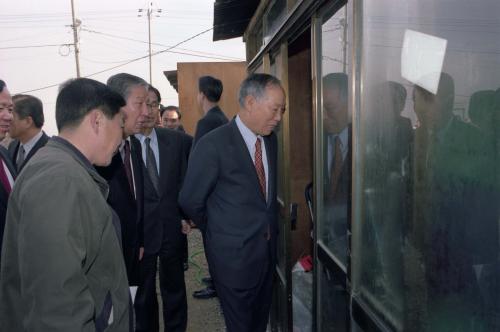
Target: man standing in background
[(209, 93), (26, 129), (171, 118), (165, 156), (7, 169)]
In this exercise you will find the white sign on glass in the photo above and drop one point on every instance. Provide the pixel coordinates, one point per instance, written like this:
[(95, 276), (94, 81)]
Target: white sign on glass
[(422, 59)]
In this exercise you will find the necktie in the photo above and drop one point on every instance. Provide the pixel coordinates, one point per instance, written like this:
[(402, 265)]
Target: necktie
[(3, 177), (126, 164), (151, 165), (336, 168), (259, 166), (20, 157)]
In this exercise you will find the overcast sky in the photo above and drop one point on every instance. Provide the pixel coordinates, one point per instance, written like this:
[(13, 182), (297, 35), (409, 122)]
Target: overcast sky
[(111, 34)]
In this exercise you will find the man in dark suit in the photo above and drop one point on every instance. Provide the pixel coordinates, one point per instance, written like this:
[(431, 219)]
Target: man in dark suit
[(209, 93), (230, 193), (124, 174), (7, 169), (337, 190), (165, 156), (171, 118), (26, 129)]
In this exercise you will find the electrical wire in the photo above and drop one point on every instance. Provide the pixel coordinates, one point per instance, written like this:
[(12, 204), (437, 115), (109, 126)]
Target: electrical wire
[(128, 62), (216, 56), (36, 46)]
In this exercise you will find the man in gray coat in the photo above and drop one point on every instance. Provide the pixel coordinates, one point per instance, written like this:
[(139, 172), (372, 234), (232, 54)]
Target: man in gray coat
[(62, 266)]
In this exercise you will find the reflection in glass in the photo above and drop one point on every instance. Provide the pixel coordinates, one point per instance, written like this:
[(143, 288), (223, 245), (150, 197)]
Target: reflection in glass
[(334, 302), (428, 224), (336, 136)]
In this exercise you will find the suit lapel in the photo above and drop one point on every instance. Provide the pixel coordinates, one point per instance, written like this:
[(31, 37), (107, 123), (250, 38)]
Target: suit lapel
[(247, 162)]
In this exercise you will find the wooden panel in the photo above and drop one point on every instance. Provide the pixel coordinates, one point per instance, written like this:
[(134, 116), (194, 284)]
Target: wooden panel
[(230, 73), (301, 139)]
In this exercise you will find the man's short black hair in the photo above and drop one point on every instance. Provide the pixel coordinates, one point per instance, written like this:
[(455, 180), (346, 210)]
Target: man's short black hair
[(163, 109), (82, 95), (211, 87), (2, 85), (28, 105), (156, 92)]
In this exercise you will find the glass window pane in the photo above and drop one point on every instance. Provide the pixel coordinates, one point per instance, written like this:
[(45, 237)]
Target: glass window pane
[(428, 226), (336, 138), (333, 300)]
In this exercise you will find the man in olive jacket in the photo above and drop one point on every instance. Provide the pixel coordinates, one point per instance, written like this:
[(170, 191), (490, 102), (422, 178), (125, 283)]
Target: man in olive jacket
[(62, 266)]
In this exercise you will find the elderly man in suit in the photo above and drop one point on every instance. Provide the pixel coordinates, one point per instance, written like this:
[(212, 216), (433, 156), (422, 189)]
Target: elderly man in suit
[(165, 156), (7, 169), (124, 174), (230, 192), (26, 129)]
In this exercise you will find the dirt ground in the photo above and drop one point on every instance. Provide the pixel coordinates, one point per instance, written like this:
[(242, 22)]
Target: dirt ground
[(203, 315)]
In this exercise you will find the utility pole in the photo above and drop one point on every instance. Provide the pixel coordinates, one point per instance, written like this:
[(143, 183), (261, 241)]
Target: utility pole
[(150, 10), (75, 25)]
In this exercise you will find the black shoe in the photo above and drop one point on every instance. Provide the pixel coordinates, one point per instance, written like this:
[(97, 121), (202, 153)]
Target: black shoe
[(206, 293), (207, 280)]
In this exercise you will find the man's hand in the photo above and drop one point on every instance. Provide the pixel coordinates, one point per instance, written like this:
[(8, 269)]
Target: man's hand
[(141, 253), (186, 226)]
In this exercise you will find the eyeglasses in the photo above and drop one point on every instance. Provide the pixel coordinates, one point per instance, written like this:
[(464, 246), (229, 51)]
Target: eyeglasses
[(153, 105)]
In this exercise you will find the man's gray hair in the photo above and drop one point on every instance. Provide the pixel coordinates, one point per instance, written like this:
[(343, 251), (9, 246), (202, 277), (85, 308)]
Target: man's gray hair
[(123, 82), (255, 85)]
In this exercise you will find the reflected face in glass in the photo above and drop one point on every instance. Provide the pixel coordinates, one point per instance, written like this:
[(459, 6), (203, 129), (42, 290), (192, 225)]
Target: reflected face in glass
[(422, 107), (110, 136), (335, 109), (6, 108), (136, 110), (266, 112), (170, 119)]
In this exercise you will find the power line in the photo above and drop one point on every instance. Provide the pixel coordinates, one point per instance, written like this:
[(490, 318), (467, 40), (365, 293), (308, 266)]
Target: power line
[(216, 56), (36, 46), (128, 62)]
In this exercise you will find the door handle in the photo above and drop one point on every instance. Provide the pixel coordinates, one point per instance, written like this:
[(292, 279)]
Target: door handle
[(293, 216)]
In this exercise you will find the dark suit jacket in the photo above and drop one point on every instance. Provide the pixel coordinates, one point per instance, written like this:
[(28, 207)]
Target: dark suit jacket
[(162, 215), (213, 119), (14, 147), (130, 210), (4, 195), (221, 194)]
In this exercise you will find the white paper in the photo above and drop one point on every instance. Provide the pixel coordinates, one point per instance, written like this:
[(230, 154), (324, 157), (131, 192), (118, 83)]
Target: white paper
[(422, 59)]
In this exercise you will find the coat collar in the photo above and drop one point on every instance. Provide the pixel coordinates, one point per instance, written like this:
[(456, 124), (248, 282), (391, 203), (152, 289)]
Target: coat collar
[(60, 143)]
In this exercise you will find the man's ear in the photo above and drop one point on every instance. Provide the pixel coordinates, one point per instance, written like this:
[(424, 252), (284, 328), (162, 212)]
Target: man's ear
[(250, 102), (95, 118)]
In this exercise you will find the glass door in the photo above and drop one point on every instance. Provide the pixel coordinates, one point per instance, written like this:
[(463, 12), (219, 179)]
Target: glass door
[(281, 314), (333, 151), (427, 190)]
